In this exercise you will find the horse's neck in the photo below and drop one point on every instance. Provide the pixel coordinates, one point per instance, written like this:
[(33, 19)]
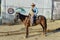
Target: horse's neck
[(22, 17)]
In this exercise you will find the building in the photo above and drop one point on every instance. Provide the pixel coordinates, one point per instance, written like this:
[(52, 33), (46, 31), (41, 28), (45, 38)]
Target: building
[(56, 13), (44, 6)]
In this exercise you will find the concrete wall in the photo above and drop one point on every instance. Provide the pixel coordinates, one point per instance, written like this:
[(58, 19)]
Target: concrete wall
[(44, 7), (57, 9)]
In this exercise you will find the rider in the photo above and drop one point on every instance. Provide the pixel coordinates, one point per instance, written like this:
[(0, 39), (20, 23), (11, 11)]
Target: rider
[(33, 13)]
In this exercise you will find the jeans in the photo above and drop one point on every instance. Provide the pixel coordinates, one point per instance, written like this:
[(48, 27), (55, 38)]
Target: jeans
[(33, 20)]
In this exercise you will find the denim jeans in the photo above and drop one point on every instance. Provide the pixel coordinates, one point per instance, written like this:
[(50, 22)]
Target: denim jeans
[(33, 20)]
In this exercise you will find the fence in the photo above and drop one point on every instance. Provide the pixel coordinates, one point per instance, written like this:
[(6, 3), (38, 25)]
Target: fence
[(56, 10), (44, 7)]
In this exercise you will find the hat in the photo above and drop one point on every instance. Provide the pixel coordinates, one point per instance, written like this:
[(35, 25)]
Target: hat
[(33, 4)]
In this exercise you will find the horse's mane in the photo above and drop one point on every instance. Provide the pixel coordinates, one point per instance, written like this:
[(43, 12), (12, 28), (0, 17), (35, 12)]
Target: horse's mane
[(22, 17)]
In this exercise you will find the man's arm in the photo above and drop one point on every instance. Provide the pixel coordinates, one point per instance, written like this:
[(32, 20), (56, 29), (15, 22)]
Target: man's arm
[(36, 11)]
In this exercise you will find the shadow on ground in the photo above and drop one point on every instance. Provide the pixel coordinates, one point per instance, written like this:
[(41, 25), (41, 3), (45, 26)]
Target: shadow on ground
[(53, 31), (11, 33)]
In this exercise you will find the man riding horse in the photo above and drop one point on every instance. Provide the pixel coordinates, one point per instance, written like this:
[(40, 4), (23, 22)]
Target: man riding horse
[(29, 20), (33, 14)]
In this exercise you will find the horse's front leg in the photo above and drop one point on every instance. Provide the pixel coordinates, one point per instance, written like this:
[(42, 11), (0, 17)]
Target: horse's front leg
[(27, 32), (27, 29), (27, 24)]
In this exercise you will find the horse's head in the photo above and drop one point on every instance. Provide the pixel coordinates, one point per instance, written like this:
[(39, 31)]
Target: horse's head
[(17, 13)]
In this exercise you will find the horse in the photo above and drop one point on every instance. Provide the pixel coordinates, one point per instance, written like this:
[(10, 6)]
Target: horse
[(26, 20)]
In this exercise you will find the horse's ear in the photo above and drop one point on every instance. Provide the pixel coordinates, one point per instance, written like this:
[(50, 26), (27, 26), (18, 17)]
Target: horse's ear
[(17, 13), (29, 14)]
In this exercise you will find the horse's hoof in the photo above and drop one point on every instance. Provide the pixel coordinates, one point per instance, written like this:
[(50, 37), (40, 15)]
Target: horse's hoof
[(26, 36), (43, 34)]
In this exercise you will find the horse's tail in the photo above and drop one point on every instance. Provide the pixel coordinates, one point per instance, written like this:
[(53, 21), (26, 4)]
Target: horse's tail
[(45, 21)]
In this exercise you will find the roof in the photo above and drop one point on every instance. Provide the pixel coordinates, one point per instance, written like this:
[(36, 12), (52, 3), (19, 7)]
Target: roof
[(56, 0)]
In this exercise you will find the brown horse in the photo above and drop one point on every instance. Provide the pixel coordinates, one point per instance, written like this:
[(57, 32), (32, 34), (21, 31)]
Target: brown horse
[(26, 20)]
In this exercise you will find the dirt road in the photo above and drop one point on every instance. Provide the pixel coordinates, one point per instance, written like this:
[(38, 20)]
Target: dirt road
[(17, 32)]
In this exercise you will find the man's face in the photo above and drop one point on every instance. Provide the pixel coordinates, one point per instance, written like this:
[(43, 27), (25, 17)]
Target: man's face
[(33, 6)]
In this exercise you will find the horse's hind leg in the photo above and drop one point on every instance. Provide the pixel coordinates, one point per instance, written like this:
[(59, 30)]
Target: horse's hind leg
[(44, 26), (44, 29)]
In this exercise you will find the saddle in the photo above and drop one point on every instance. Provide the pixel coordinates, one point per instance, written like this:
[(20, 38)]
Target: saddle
[(33, 20)]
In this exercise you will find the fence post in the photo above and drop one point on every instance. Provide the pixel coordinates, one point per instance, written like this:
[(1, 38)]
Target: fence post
[(52, 9)]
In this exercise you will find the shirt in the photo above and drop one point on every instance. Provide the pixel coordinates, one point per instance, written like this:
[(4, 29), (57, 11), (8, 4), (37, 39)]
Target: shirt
[(33, 11)]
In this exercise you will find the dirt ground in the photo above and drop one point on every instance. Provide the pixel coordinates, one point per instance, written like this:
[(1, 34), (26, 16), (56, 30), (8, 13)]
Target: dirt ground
[(17, 32)]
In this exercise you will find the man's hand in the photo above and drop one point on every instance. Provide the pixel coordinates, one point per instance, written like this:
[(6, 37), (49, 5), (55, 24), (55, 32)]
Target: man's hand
[(32, 10)]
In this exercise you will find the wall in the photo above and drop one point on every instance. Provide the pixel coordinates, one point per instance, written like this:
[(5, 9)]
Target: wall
[(44, 7), (57, 10)]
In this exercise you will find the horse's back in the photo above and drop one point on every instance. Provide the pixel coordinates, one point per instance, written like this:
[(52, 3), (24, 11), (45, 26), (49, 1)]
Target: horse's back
[(41, 16)]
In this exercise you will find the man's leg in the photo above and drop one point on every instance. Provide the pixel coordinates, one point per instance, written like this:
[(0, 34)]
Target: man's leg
[(31, 21), (34, 19)]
